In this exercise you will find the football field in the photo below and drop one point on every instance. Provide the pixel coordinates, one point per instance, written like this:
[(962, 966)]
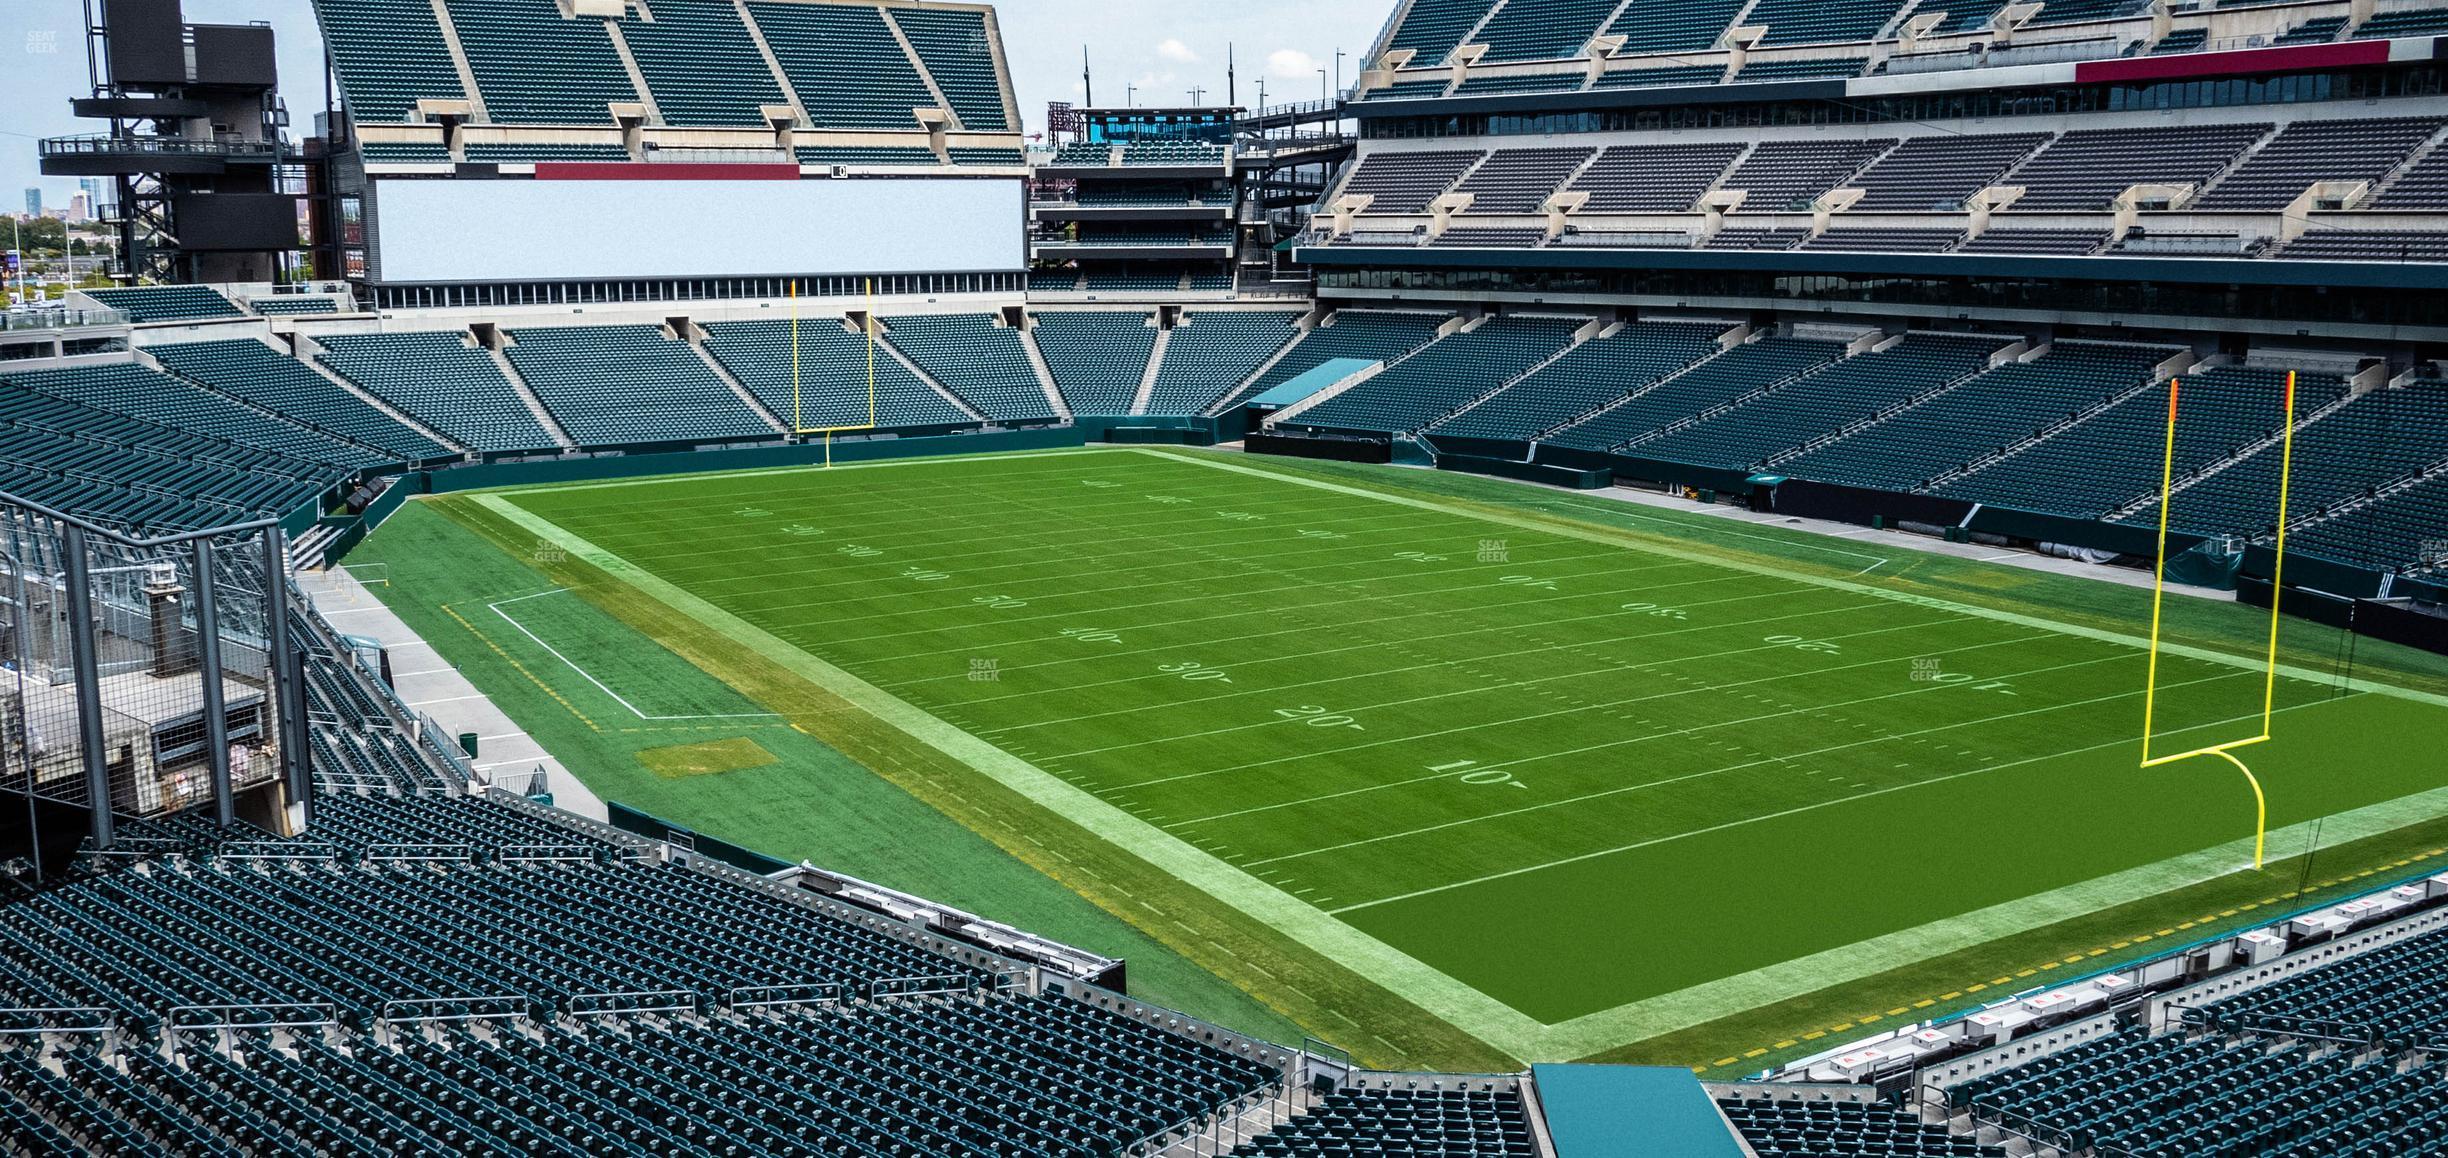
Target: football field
[(1563, 785)]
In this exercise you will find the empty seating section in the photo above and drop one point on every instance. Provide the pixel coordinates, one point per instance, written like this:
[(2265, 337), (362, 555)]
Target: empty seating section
[(1964, 15), (1661, 77), (2181, 40), (2057, 242), (1584, 378), (248, 370), (1832, 1129), (1711, 383), (1940, 172), (1085, 153), (522, 152), (1519, 180), (1491, 84), (2376, 438), (2323, 150), (1824, 402), (387, 56), (143, 475), (1754, 237), (1098, 358), (701, 65), (977, 155), (2400, 531), (1416, 1123), (1820, 21), (2074, 11), (973, 357), (865, 155), (1902, 240), (1650, 28), (1525, 237), (1211, 352), (1377, 335), (2113, 458), (1406, 182), (1780, 175), (1409, 89), (2422, 185), (1445, 376), (1542, 31), (2404, 22), (2088, 168), (2318, 30), (406, 152), (1431, 28), (2213, 1094), (1982, 417), (442, 381), (832, 370), (139, 392), (952, 44), (167, 303), (534, 67), (1652, 178), (846, 66), (614, 384), (1807, 68), (1184, 153), (293, 304), (2368, 245)]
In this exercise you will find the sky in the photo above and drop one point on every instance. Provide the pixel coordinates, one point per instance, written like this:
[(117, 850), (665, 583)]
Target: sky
[(1148, 52)]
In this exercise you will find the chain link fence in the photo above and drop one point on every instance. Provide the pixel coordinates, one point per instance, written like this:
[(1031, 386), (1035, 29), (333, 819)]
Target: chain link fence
[(144, 677)]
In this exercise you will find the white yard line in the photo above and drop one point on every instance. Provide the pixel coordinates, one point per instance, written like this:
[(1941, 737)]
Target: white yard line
[(589, 677)]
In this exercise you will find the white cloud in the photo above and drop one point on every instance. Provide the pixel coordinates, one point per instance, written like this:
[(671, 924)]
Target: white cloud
[(1291, 64), (1174, 50)]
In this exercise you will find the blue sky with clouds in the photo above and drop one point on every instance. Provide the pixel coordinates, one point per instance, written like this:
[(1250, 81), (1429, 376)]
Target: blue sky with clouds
[(1151, 51)]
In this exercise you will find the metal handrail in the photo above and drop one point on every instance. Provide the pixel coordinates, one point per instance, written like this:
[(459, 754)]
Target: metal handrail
[(101, 143)]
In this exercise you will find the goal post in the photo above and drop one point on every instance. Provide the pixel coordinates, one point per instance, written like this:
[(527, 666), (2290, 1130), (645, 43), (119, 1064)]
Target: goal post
[(2225, 750), (799, 425)]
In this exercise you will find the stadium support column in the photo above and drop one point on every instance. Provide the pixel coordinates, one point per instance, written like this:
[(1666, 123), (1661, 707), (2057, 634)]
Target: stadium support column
[(87, 667), (287, 674), (209, 671)]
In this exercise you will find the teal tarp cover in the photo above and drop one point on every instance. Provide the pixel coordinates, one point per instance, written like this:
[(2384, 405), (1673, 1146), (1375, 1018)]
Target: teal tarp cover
[(2206, 565), (1622, 1111), (1309, 382)]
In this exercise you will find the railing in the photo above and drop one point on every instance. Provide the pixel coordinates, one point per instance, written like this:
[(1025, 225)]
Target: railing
[(415, 1009), (59, 318), (39, 1020), (633, 1001), (419, 853), (264, 1015), (769, 996), (927, 986), (103, 144)]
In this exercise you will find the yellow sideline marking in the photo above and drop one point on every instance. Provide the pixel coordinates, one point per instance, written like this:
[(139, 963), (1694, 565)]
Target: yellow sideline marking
[(2269, 689), (448, 610)]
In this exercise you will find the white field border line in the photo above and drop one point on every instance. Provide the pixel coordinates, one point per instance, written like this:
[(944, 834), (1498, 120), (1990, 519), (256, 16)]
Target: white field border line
[(589, 677), (1462, 1005), (2291, 671)]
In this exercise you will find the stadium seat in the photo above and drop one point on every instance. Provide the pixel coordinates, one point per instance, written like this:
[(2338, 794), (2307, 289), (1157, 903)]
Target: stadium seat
[(441, 380)]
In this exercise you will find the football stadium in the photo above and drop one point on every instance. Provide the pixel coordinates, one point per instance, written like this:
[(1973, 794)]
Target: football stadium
[(1737, 578)]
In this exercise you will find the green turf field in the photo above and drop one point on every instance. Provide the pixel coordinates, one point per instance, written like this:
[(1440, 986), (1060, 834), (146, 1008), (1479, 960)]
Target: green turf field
[(1558, 778)]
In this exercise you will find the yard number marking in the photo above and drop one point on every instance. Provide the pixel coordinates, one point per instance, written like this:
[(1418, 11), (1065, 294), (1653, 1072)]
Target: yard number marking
[(1191, 669), (1317, 717)]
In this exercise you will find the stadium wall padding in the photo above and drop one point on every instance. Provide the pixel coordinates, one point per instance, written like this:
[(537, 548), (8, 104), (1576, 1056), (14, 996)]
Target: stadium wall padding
[(2040, 527), (559, 470), (653, 827), (2313, 572), (1570, 478), (1848, 504), (1333, 449), (1683, 474)]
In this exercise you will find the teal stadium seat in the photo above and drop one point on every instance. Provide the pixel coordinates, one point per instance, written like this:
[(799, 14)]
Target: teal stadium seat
[(976, 359), (953, 46), (609, 385), (1445, 376), (167, 303), (847, 68), (833, 366), (250, 371), (534, 67), (1588, 376), (443, 382), (387, 57), (1212, 351), (1098, 357), (701, 65)]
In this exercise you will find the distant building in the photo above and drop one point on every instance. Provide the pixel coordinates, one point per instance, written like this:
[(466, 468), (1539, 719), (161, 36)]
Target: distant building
[(33, 202), (80, 209)]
